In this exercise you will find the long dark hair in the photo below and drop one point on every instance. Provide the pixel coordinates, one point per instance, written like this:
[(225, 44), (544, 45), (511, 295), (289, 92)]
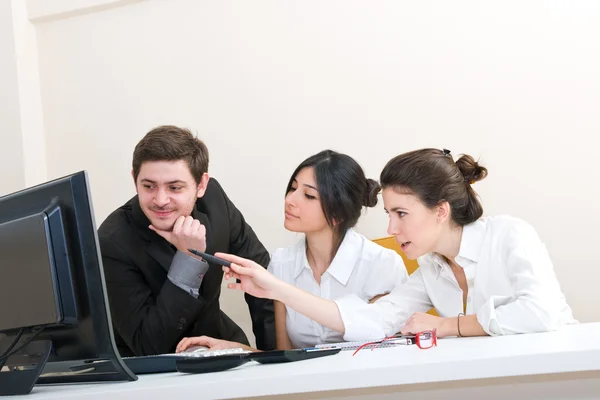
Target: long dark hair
[(343, 189)]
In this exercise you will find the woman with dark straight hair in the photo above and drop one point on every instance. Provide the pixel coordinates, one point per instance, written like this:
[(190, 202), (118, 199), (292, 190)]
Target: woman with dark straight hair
[(324, 199), (484, 275)]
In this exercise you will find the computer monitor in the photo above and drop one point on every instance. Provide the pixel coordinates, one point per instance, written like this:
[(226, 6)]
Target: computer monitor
[(51, 276), (33, 253)]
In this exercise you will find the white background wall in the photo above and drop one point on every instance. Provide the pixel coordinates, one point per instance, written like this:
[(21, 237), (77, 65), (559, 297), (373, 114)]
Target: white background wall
[(268, 83), (12, 176)]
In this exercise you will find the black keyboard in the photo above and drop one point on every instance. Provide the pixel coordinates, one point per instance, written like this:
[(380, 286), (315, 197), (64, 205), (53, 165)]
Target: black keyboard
[(155, 363), (229, 361)]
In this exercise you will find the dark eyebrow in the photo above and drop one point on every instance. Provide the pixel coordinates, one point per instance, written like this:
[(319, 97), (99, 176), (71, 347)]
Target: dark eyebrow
[(304, 184), (168, 183), (397, 209)]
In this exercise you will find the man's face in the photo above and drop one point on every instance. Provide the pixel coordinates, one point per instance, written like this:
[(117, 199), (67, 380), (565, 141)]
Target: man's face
[(167, 190)]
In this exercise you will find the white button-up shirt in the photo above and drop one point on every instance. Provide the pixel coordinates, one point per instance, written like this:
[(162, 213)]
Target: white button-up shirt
[(511, 286), (360, 267)]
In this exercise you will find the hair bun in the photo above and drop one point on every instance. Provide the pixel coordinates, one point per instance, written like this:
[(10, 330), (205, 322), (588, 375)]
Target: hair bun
[(371, 192), (470, 169)]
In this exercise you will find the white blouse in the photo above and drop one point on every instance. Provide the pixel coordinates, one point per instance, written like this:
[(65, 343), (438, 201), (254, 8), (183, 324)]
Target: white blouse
[(360, 267), (511, 286)]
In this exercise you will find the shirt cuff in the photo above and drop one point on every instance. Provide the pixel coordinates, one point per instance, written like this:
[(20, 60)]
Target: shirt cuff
[(358, 321), (486, 315), (186, 272)]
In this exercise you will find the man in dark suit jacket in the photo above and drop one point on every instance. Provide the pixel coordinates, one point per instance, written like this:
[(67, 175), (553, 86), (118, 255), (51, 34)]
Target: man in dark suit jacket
[(158, 291)]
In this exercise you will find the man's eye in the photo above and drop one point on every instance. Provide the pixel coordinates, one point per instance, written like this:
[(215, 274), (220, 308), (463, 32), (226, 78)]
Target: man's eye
[(175, 188), (401, 214)]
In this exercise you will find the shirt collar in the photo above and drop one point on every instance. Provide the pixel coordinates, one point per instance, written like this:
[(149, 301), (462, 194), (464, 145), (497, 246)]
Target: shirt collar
[(342, 265), (472, 239), (344, 261), (301, 260), (470, 244)]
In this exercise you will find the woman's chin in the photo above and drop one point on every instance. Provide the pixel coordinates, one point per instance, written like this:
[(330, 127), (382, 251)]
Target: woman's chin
[(411, 252), (290, 226)]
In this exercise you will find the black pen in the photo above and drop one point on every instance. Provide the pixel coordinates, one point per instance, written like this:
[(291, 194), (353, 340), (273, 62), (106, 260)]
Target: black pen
[(210, 258)]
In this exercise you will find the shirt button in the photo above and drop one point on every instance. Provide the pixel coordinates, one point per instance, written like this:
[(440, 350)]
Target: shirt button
[(180, 326), (183, 320)]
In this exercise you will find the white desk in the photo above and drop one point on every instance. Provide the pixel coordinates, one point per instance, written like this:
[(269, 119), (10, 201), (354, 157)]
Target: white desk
[(562, 364)]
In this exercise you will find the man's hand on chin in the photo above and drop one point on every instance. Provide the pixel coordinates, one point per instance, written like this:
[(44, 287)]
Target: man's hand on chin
[(187, 233)]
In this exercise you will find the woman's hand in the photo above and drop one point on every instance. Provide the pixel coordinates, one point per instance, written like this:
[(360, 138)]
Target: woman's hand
[(206, 341), (254, 279), (420, 322)]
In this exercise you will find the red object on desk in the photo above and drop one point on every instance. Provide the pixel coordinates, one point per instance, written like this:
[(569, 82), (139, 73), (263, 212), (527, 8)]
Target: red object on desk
[(424, 340)]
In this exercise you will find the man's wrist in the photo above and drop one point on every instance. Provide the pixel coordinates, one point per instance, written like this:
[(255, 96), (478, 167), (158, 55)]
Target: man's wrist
[(197, 257), (189, 253)]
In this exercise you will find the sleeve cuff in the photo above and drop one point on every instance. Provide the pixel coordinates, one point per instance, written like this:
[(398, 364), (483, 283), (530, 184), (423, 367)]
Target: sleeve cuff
[(486, 315), (186, 272), (357, 319)]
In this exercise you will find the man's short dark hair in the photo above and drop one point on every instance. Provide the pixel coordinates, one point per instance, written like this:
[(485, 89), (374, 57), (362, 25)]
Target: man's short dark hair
[(171, 143)]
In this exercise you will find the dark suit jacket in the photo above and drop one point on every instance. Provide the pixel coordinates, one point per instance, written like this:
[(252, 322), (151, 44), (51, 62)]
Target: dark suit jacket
[(149, 313)]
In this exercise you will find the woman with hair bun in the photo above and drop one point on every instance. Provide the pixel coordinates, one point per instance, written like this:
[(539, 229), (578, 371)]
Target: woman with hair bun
[(324, 199), (484, 275)]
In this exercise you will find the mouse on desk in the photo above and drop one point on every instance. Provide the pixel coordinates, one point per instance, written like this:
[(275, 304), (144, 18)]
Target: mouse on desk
[(194, 349)]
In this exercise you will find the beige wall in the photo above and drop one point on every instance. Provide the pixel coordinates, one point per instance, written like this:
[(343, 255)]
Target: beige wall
[(268, 83), (12, 176)]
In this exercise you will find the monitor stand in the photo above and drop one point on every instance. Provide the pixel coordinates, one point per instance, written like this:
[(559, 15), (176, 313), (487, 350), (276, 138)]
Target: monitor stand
[(24, 368), (64, 371)]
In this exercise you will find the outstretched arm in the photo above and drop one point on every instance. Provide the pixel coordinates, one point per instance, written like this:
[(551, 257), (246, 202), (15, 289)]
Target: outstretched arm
[(258, 282)]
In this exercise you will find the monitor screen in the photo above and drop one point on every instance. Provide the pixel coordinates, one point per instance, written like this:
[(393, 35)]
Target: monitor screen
[(28, 275)]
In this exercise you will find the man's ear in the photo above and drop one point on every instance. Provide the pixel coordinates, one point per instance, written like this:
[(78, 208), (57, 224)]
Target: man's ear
[(203, 184), (443, 212), (134, 182)]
